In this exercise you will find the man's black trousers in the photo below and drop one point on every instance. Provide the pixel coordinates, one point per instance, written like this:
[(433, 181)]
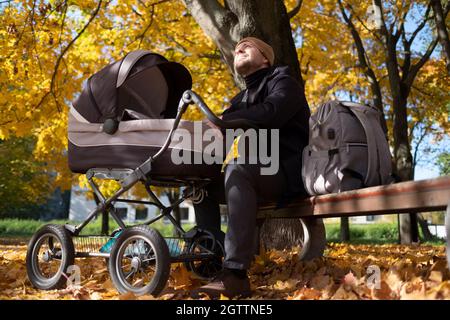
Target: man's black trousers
[(242, 188)]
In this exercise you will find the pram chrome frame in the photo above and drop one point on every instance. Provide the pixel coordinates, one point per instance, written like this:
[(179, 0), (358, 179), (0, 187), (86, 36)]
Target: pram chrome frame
[(129, 177)]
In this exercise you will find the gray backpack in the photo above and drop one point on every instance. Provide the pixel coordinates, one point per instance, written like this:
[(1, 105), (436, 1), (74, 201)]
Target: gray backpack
[(348, 149)]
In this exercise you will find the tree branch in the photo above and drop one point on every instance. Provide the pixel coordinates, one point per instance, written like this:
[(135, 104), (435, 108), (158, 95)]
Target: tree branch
[(426, 18), (296, 9), (60, 57), (390, 44), (420, 90), (441, 28), (218, 22), (363, 24), (5, 123), (418, 144), (407, 61), (416, 67), (377, 3), (362, 57), (401, 28), (142, 35)]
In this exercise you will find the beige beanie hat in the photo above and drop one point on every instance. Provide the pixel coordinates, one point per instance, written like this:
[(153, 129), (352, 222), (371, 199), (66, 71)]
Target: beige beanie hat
[(264, 48)]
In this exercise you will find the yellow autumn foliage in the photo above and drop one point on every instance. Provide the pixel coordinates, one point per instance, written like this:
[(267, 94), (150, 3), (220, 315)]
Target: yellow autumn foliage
[(48, 48)]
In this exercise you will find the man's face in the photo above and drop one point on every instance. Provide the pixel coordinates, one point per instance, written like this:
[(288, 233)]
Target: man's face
[(248, 59)]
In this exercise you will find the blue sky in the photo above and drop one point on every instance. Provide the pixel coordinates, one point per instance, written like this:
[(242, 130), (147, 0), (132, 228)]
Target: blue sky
[(426, 167)]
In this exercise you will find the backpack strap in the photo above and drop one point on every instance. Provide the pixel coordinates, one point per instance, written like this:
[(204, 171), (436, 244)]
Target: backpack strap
[(373, 165), (384, 154)]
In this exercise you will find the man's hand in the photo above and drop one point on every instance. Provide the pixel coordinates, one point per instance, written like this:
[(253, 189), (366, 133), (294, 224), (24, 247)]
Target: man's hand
[(210, 124)]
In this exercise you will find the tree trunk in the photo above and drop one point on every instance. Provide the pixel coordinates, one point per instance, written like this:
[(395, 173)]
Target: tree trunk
[(265, 19), (442, 32), (427, 236), (65, 204), (402, 151), (404, 166), (409, 232), (345, 229), (269, 21)]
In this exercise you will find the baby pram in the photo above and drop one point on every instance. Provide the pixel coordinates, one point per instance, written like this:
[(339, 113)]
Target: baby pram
[(121, 128)]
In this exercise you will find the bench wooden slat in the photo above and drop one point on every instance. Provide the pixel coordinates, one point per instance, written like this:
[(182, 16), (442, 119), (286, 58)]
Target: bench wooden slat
[(404, 197)]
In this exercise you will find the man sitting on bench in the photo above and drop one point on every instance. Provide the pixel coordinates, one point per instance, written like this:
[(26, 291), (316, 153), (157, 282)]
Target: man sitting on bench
[(272, 100)]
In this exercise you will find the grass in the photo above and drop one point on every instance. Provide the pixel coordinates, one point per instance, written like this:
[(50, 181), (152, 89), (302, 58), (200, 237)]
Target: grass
[(17, 228), (377, 233)]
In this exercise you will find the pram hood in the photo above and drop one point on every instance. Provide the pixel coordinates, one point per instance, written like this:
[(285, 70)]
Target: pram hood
[(142, 83)]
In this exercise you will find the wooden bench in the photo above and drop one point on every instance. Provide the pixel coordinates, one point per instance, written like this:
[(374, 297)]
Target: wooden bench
[(405, 197)]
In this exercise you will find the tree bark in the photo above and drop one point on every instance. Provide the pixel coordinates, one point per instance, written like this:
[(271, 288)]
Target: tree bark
[(439, 17), (400, 92), (265, 19), (269, 21), (65, 199), (345, 229), (409, 232), (427, 236)]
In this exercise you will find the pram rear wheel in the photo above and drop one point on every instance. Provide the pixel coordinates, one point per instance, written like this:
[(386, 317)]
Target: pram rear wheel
[(206, 243), (50, 253), (140, 261)]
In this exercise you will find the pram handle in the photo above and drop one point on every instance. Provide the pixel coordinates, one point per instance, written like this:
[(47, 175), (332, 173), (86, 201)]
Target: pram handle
[(190, 97)]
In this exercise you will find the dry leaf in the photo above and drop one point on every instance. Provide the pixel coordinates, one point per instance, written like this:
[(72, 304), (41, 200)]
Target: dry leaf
[(435, 276), (384, 292), (320, 282), (96, 296), (181, 277), (343, 294), (306, 294), (127, 296), (407, 272), (285, 285)]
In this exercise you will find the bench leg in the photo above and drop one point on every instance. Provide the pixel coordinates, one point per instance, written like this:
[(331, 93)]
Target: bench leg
[(257, 246)]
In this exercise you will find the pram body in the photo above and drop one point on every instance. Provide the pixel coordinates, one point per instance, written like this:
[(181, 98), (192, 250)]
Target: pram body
[(121, 128), (144, 90)]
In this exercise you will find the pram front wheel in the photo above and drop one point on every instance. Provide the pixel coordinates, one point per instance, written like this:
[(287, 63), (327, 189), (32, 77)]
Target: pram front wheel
[(206, 244), (50, 253), (140, 261)]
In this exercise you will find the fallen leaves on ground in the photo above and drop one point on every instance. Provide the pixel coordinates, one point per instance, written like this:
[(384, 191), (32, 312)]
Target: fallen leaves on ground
[(346, 272)]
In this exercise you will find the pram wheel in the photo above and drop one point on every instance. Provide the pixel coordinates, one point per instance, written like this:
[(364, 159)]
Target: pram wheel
[(206, 243), (140, 261), (50, 253)]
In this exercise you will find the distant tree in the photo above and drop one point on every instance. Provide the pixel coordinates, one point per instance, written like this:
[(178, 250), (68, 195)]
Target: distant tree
[(443, 163), (22, 178)]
